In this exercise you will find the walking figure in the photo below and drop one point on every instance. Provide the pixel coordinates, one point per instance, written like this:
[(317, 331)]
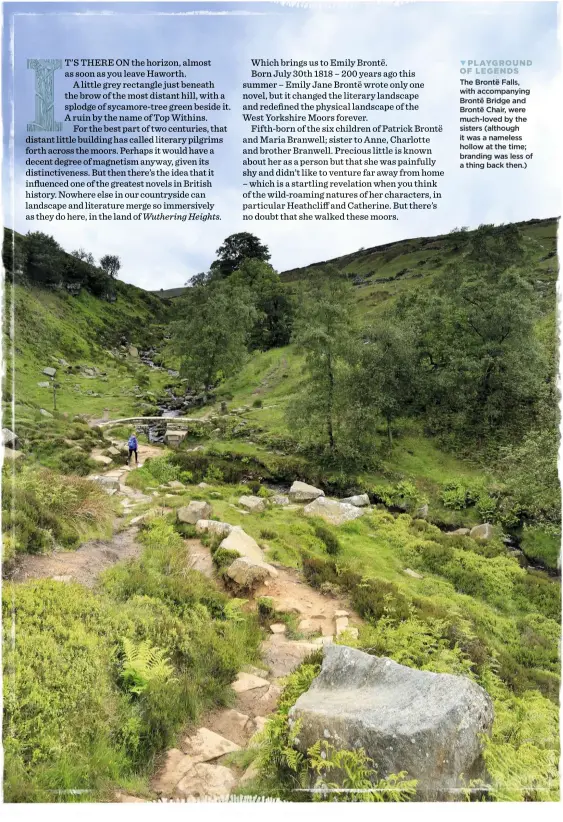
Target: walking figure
[(133, 448)]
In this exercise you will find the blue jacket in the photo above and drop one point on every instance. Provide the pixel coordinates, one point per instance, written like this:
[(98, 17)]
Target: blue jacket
[(133, 443)]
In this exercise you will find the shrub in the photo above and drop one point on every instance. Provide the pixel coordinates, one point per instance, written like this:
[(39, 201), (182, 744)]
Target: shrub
[(257, 403), (328, 538)]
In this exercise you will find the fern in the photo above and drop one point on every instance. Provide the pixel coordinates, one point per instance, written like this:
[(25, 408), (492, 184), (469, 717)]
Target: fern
[(143, 664)]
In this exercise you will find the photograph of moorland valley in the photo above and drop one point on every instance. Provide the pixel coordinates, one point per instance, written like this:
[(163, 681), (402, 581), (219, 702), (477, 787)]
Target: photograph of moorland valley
[(285, 535)]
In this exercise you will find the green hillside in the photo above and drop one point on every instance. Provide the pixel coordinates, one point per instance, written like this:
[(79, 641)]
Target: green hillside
[(420, 373)]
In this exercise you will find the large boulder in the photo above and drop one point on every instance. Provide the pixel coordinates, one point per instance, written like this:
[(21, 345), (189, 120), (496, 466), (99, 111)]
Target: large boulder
[(239, 541), (253, 504), (359, 500), (484, 532), (196, 510), (248, 574), (301, 492), (332, 511), (429, 725)]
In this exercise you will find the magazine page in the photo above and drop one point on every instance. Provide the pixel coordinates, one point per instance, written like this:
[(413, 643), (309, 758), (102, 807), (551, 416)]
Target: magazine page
[(280, 508)]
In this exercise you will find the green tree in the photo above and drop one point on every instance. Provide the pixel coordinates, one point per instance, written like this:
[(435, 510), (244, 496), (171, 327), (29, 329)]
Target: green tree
[(213, 331), (382, 382), (478, 354), (324, 333), (236, 249), (111, 264), (44, 258), (85, 256), (274, 319)]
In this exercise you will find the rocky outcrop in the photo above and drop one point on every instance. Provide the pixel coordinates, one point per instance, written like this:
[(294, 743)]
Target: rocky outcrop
[(359, 500), (196, 510), (301, 492), (333, 511), (429, 725)]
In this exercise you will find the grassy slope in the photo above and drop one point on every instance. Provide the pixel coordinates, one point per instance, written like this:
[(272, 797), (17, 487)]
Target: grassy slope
[(52, 325)]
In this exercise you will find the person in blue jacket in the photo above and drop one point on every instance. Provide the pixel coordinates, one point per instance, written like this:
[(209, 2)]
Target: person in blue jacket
[(133, 448)]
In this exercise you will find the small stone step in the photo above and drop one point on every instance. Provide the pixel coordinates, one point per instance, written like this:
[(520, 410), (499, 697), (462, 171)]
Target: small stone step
[(247, 682), (232, 725), (278, 628), (206, 781), (341, 623)]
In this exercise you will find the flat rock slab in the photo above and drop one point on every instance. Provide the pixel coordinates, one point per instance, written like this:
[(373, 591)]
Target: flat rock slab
[(210, 526), (206, 745), (233, 725), (429, 725), (332, 511), (247, 682), (206, 782), (238, 540), (284, 655), (196, 510), (176, 765)]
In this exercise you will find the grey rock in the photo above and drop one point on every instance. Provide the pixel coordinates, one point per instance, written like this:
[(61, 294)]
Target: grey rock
[(410, 573), (45, 413), (359, 500), (49, 372), (279, 499), (9, 439), (11, 454), (210, 526), (484, 531), (301, 492), (108, 483), (43, 384), (252, 503), (459, 532), (248, 573), (422, 512), (426, 724), (332, 511), (245, 545), (196, 510)]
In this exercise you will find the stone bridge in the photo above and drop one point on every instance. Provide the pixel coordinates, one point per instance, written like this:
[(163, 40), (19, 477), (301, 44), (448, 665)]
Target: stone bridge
[(174, 429)]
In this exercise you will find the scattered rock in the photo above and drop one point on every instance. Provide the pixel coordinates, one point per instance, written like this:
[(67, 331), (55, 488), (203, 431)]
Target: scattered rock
[(426, 724), (248, 682), (341, 624), (301, 492), (332, 511), (422, 512), (44, 384), (133, 351), (45, 413), (49, 372), (484, 531), (459, 532), (176, 484), (135, 520), (115, 452), (410, 573), (248, 573), (205, 782), (278, 628), (203, 485), (196, 510), (108, 483), (252, 503), (279, 499), (359, 500), (221, 529)]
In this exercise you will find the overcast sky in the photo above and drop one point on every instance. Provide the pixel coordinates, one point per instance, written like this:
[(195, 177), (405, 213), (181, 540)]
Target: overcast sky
[(429, 38)]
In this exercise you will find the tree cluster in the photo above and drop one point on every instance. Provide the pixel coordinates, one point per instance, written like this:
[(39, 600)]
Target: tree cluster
[(238, 306), (38, 258)]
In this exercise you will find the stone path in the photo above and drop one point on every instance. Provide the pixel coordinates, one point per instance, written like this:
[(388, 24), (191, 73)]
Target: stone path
[(197, 770)]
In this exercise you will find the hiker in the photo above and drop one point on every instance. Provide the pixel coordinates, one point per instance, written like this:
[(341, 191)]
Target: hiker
[(132, 448)]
